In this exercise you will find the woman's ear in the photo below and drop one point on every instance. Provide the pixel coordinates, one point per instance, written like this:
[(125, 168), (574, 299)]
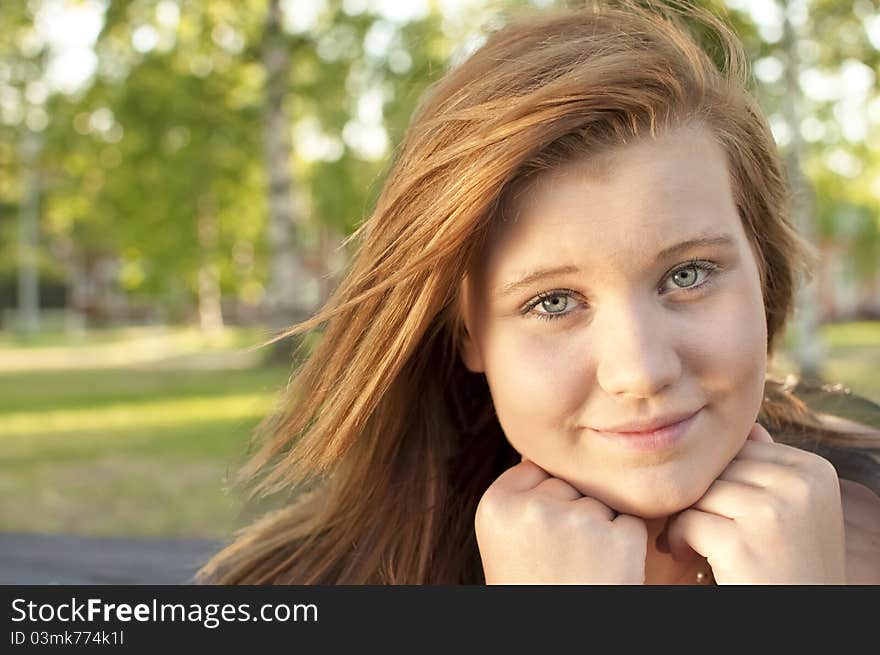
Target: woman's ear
[(470, 353)]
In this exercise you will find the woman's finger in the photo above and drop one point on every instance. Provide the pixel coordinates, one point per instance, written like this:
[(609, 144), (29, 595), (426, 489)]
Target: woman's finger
[(760, 434), (755, 472), (693, 531), (559, 489), (731, 500), (522, 477), (597, 508)]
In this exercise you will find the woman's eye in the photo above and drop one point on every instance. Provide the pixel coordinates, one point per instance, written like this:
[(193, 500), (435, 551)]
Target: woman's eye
[(688, 275), (559, 303), (550, 305)]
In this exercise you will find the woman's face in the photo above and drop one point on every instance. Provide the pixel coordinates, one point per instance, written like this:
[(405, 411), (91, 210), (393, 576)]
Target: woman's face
[(630, 330)]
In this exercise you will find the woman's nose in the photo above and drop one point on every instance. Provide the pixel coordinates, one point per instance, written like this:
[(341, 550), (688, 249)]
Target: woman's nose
[(634, 350)]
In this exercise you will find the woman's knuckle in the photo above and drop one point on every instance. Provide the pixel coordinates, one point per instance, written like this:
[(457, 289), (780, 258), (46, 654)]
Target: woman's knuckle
[(535, 508), (491, 506), (802, 488), (771, 509), (824, 469), (580, 516)]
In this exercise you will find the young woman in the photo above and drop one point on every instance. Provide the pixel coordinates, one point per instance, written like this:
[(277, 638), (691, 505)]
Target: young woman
[(586, 236)]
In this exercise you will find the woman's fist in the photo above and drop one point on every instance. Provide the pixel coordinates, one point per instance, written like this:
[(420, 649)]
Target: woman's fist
[(773, 516), (533, 528)]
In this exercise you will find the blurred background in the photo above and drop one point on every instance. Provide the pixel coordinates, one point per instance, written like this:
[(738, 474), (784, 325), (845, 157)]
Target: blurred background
[(144, 247)]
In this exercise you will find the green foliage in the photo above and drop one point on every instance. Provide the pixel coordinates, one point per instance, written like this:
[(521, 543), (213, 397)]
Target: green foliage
[(159, 163)]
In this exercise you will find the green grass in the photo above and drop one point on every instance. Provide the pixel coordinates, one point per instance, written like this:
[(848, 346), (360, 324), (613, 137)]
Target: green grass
[(129, 450), (192, 336), (856, 334), (90, 445)]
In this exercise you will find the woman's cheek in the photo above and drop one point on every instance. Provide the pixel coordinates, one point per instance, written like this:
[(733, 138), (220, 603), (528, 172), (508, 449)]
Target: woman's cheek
[(534, 383), (739, 351)]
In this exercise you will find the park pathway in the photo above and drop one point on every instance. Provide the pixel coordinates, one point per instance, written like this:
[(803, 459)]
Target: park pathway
[(69, 559)]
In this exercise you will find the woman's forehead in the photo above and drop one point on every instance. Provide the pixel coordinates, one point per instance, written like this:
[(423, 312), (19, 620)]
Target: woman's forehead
[(670, 158), (637, 195)]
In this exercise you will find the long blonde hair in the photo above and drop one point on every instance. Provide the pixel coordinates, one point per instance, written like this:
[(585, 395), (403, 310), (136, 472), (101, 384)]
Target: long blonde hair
[(383, 441)]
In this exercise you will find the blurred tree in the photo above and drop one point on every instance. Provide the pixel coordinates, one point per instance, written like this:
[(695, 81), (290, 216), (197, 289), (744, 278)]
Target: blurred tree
[(22, 118), (174, 114), (817, 91), (287, 274), (165, 168), (808, 349)]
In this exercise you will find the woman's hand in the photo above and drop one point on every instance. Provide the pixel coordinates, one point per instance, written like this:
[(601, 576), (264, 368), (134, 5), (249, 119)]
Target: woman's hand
[(533, 528), (774, 516)]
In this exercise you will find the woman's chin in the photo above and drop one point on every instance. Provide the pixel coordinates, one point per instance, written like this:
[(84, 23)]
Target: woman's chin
[(647, 497), (651, 508)]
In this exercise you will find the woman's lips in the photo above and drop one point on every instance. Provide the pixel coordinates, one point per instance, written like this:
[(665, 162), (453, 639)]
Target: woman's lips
[(664, 437)]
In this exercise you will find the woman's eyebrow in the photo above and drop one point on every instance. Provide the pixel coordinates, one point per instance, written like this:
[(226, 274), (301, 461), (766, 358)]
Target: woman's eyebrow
[(702, 241)]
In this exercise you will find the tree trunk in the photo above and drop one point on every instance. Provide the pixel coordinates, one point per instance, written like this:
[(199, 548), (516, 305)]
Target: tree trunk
[(29, 220), (291, 291), (808, 347), (210, 309)]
